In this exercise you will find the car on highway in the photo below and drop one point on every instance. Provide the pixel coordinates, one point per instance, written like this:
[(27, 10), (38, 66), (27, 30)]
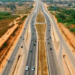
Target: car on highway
[(21, 46), (27, 68), (30, 51), (33, 68), (20, 36), (32, 33), (48, 43), (50, 37), (34, 44), (50, 48), (35, 40)]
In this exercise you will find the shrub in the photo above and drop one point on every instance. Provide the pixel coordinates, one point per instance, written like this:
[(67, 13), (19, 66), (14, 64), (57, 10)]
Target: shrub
[(73, 29), (5, 13)]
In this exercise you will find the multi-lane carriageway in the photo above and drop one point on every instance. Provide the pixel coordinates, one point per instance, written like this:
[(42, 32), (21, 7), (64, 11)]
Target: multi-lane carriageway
[(52, 60)]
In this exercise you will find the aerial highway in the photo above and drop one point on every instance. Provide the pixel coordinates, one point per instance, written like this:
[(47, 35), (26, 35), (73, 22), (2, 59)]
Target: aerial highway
[(53, 61), (9, 65)]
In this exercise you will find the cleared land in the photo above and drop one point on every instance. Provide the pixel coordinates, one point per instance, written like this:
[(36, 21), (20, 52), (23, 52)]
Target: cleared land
[(42, 64)]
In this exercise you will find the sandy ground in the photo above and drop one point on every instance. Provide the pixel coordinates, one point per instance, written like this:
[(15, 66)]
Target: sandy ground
[(12, 44), (42, 63)]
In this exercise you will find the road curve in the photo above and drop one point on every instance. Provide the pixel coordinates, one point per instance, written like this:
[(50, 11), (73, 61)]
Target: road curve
[(53, 65), (32, 56)]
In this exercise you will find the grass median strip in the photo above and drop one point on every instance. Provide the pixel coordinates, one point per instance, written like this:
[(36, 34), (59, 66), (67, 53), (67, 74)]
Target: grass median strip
[(42, 62)]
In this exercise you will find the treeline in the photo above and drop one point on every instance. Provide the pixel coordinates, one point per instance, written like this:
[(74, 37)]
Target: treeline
[(6, 15), (64, 15)]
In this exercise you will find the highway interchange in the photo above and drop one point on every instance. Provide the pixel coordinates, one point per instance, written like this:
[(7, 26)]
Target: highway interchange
[(52, 60)]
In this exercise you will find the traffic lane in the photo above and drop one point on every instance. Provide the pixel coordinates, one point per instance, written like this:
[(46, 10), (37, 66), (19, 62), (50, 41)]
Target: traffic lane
[(33, 37), (54, 66), (33, 60), (29, 54), (55, 69), (29, 60)]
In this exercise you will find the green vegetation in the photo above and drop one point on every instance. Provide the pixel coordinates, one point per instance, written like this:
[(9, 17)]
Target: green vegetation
[(72, 29), (64, 15), (6, 15), (5, 44), (23, 18), (52, 8)]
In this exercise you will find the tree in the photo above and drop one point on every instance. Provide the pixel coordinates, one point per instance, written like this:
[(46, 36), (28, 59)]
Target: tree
[(12, 7)]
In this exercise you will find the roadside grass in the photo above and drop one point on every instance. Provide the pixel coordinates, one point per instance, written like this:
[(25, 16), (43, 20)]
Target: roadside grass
[(40, 17), (41, 28), (6, 22)]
